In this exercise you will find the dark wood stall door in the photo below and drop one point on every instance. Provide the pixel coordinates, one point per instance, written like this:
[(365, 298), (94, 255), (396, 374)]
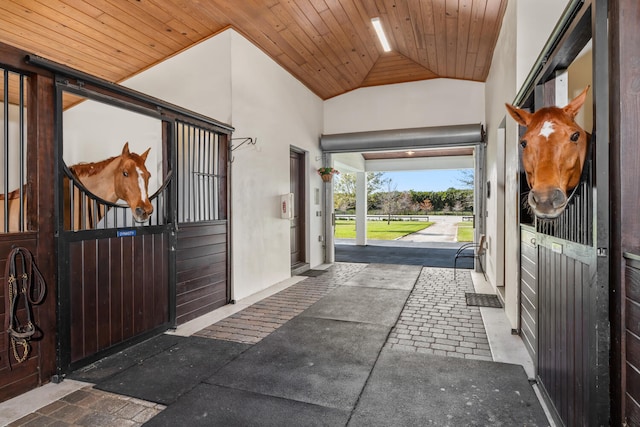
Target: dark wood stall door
[(118, 290), (116, 274)]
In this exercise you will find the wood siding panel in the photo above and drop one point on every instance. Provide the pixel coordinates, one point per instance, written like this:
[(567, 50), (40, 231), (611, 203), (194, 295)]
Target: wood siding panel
[(631, 367), (201, 269), (624, 43), (564, 333), (119, 290), (529, 293)]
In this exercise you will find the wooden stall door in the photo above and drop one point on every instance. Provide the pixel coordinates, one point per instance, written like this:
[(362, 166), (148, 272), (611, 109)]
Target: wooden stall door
[(118, 290)]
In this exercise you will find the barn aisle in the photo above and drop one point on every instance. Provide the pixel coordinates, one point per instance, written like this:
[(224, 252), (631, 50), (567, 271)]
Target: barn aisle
[(378, 344)]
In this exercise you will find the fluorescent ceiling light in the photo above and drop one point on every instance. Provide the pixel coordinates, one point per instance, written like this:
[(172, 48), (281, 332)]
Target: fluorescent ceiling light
[(377, 25)]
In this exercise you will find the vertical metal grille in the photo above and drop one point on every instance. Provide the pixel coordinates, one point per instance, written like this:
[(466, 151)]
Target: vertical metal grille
[(14, 147), (199, 177), (575, 224)]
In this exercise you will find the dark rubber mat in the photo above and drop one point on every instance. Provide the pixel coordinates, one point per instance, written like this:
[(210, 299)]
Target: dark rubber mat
[(446, 391), (210, 405), (121, 361), (482, 300), (427, 257), (164, 377), (312, 273), (318, 361), (359, 304), (387, 276)]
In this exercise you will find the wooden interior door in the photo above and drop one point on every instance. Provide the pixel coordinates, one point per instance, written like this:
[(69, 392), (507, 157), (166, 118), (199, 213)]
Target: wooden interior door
[(296, 163)]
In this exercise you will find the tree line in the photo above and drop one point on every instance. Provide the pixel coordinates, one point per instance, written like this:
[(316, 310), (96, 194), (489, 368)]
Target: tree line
[(383, 198)]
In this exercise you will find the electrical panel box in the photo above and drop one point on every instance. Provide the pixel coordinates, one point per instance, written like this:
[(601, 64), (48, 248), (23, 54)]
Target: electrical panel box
[(286, 206)]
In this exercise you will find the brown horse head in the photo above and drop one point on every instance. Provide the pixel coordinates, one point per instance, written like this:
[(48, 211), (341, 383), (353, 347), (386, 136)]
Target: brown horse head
[(553, 151), (131, 182)]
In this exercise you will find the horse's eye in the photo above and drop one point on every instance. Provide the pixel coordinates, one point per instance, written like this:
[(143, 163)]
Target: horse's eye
[(125, 174), (575, 136), (523, 142)]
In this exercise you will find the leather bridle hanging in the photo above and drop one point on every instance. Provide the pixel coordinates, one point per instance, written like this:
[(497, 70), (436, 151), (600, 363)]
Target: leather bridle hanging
[(25, 281)]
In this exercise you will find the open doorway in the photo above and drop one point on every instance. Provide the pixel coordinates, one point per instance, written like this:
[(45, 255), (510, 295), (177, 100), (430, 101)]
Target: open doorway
[(437, 148), (415, 217)]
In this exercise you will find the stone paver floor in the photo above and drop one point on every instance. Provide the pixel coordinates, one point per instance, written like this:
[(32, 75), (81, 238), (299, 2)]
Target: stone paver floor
[(89, 407), (435, 320), (262, 318)]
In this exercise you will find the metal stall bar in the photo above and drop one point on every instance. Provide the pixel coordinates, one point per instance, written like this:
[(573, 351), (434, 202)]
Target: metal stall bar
[(21, 171), (5, 139)]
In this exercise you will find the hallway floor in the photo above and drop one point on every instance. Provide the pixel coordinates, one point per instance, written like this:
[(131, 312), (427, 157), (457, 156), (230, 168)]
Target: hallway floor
[(358, 344)]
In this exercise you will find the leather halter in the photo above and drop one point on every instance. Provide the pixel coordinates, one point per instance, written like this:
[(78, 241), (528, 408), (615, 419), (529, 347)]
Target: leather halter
[(24, 281)]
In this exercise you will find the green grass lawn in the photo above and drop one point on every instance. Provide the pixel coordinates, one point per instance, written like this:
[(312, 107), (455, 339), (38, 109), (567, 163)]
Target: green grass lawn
[(465, 231), (380, 230)]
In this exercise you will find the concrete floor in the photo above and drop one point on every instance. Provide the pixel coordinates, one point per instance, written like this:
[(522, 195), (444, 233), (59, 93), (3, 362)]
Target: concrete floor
[(420, 309)]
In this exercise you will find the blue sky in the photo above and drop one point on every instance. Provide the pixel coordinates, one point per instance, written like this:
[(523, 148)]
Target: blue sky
[(431, 180)]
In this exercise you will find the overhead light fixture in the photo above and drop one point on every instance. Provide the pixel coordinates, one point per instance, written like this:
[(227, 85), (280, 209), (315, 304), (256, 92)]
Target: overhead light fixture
[(377, 25)]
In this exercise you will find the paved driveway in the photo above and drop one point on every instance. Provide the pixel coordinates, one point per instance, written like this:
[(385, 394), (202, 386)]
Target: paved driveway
[(444, 229)]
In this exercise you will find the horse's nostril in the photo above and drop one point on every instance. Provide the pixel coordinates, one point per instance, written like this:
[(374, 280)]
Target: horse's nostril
[(558, 198), (139, 211), (534, 197)]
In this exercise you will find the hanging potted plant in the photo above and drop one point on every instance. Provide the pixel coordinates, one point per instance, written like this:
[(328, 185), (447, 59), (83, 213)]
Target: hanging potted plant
[(327, 173)]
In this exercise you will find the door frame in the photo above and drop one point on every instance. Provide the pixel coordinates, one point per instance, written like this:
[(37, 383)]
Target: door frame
[(300, 201)]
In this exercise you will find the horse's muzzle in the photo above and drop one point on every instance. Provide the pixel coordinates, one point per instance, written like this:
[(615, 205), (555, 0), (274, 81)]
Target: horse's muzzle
[(548, 203), (142, 214)]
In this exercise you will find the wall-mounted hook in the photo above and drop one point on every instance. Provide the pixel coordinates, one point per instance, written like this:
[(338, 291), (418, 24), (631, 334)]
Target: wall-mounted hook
[(244, 140)]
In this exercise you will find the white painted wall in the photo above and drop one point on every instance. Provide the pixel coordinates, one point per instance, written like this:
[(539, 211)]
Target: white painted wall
[(525, 29), (437, 102), (94, 131), (229, 79), (349, 162), (198, 79), (272, 106)]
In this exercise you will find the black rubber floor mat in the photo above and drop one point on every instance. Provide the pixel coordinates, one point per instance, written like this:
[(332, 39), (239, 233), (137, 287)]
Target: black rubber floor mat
[(482, 300), (119, 362), (318, 361), (164, 377), (312, 273), (427, 257), (413, 389)]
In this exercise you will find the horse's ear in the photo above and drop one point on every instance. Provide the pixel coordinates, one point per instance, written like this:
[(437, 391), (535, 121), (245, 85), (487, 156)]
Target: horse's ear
[(125, 149), (576, 104), (519, 115), (145, 154)]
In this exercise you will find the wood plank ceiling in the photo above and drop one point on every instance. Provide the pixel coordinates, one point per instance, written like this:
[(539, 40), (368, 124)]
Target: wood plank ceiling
[(329, 45)]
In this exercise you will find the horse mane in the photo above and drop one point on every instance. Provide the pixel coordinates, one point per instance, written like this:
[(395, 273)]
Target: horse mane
[(15, 194), (90, 169)]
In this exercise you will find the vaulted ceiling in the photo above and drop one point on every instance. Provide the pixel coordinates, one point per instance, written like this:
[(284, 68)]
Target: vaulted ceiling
[(329, 45)]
